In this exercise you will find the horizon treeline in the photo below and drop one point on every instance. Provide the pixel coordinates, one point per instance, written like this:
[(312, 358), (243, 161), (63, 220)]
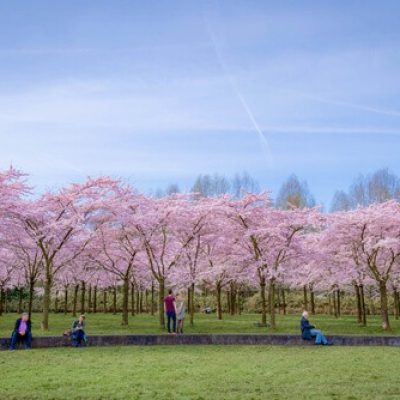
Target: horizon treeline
[(365, 189)]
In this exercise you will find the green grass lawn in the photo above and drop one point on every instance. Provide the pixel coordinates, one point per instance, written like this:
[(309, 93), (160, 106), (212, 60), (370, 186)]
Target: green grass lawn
[(201, 372), (144, 323)]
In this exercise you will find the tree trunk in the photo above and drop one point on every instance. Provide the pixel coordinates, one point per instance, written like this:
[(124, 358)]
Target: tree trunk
[(358, 301), (141, 297), (384, 305), (138, 300), (83, 292), (89, 307), (219, 302), (125, 302), (104, 300), (132, 299), (338, 302), (271, 298), (305, 298), (283, 301), (146, 300), (239, 302), (334, 304), (189, 301), (363, 308), (6, 300), (161, 289), (228, 302), (31, 293), (232, 293), (114, 300), (1, 301), (46, 302), (278, 299), (75, 300), (191, 319), (56, 302), (20, 295), (312, 301), (66, 299), (95, 299), (263, 303), (152, 311), (329, 304), (395, 303)]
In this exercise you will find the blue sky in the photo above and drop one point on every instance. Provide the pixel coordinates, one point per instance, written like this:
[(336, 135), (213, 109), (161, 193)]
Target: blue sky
[(160, 91)]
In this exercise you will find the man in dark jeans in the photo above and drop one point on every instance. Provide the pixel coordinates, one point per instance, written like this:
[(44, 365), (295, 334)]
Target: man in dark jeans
[(22, 332), (170, 310), (309, 331), (78, 332)]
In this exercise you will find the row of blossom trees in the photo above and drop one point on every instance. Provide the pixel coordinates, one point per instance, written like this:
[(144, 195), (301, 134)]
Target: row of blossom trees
[(103, 234)]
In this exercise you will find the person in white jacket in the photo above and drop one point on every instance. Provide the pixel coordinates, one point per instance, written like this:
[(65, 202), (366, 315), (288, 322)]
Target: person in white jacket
[(180, 312)]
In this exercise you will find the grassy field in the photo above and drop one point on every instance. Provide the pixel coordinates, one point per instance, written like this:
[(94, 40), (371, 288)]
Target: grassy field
[(201, 372), (108, 323)]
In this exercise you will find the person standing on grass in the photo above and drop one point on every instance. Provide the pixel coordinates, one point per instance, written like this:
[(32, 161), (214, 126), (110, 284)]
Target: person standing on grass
[(180, 312), (170, 310), (309, 331), (22, 332), (78, 332)]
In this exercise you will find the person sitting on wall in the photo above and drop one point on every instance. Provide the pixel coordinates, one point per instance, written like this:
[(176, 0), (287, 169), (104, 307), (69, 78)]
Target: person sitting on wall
[(309, 331), (22, 332), (78, 332)]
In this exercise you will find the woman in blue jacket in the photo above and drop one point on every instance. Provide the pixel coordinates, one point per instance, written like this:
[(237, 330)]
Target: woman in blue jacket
[(309, 331)]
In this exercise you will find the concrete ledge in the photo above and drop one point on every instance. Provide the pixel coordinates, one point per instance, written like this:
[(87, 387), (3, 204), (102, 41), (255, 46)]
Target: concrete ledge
[(208, 339)]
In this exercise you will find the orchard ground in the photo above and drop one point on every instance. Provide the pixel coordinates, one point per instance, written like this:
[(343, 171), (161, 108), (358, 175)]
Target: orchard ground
[(100, 323), (201, 372)]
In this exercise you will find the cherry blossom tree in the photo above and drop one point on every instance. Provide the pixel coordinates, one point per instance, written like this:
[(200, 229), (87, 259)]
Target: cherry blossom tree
[(157, 220), (116, 250), (369, 237), (13, 188), (30, 261), (62, 224), (193, 234), (270, 238)]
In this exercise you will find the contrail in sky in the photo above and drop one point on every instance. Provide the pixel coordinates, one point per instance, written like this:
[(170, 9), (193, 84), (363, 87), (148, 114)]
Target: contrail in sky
[(349, 105), (263, 140)]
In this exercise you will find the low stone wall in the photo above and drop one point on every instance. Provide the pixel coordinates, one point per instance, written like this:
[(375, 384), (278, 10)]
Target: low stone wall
[(205, 339)]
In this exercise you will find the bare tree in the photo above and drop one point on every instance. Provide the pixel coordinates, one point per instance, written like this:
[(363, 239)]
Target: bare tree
[(209, 186), (172, 188), (203, 185), (341, 201), (378, 187), (220, 185), (243, 183), (382, 186), (294, 193)]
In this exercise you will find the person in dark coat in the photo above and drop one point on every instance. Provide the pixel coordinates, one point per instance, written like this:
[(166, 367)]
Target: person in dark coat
[(78, 332), (309, 331), (22, 332)]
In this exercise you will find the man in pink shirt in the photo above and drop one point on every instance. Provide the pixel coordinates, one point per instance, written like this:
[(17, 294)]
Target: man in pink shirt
[(170, 310)]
